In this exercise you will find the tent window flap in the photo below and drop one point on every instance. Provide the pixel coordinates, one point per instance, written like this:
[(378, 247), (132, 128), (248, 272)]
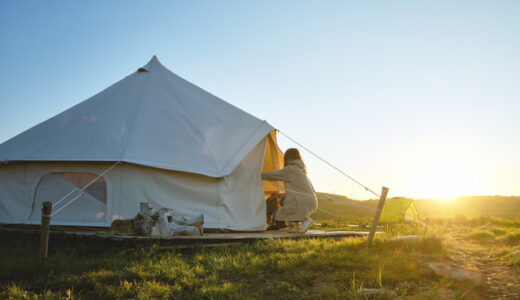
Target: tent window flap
[(90, 206)]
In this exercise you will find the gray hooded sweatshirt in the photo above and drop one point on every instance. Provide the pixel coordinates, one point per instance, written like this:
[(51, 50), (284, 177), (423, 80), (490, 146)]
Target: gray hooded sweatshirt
[(300, 200)]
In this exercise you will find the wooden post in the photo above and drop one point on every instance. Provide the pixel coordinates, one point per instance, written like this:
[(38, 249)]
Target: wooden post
[(380, 205), (46, 221)]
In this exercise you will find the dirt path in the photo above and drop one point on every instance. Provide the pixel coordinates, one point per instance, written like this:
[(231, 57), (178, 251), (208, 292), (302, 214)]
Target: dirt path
[(503, 281)]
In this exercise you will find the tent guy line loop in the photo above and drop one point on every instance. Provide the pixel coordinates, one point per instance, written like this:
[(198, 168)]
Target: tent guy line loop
[(82, 190), (331, 165)]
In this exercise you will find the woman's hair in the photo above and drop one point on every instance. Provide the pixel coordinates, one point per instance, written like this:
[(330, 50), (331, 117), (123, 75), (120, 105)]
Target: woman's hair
[(290, 155)]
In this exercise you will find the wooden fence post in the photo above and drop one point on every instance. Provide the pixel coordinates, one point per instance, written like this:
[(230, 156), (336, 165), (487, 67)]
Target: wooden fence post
[(380, 205), (46, 221)]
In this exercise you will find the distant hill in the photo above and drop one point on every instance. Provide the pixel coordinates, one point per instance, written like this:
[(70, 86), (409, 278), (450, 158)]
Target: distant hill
[(330, 206), (471, 206)]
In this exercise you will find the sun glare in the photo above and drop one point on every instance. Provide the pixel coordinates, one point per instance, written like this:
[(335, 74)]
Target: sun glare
[(443, 175), (447, 200)]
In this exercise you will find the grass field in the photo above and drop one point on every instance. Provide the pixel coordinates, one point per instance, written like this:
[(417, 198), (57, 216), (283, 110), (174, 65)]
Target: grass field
[(273, 269)]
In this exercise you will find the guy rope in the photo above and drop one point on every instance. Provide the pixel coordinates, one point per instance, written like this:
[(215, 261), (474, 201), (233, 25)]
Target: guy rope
[(378, 210), (81, 191)]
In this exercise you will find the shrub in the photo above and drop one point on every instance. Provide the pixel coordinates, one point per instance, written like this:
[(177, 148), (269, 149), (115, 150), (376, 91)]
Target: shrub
[(513, 238), (499, 231), (481, 236)]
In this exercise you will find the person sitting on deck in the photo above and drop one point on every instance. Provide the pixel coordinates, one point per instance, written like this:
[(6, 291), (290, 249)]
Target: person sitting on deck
[(300, 200)]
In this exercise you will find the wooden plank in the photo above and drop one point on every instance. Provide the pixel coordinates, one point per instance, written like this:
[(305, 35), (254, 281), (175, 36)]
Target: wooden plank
[(206, 239)]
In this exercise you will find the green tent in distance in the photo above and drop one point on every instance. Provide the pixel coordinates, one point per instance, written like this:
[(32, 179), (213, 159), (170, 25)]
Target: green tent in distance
[(399, 210)]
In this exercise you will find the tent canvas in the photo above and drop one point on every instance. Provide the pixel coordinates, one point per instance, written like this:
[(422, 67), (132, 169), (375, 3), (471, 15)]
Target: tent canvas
[(399, 210), (180, 147)]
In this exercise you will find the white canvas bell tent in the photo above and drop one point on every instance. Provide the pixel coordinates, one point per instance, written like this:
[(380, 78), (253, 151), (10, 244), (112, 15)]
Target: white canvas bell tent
[(179, 147)]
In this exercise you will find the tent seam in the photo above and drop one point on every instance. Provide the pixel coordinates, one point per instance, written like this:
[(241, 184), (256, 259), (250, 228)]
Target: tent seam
[(145, 163), (207, 92), (191, 115), (244, 144), (124, 147)]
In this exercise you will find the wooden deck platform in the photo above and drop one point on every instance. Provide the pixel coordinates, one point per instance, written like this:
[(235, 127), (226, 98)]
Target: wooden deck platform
[(207, 240)]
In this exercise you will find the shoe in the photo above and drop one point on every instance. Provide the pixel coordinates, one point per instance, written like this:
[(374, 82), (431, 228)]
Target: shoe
[(306, 225)]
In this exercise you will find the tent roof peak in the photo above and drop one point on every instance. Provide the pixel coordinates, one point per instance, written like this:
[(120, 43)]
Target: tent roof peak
[(154, 59), (152, 118), (149, 65)]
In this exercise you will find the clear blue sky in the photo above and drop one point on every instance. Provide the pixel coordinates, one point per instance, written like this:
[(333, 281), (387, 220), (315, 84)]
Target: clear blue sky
[(420, 96)]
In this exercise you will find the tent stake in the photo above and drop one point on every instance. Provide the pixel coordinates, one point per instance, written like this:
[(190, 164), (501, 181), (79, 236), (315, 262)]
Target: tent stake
[(46, 221), (377, 215)]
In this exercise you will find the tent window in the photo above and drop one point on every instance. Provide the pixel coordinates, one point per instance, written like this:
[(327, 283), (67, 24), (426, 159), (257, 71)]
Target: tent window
[(97, 189), (89, 207)]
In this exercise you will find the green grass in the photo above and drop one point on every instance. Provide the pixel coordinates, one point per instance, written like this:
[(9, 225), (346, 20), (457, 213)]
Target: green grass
[(482, 236), (512, 238), (273, 269), (493, 231), (499, 231)]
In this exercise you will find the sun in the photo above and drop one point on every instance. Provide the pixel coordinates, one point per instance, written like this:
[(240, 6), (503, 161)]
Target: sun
[(443, 177)]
